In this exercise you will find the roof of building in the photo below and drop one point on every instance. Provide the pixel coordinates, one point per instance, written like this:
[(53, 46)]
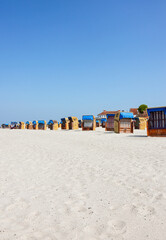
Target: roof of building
[(107, 112), (134, 110)]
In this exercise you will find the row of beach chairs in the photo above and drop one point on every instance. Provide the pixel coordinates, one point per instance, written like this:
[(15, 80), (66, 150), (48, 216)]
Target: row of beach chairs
[(118, 121)]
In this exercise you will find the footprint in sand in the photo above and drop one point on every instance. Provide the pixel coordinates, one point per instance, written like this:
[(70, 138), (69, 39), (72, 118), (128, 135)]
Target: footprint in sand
[(88, 233), (140, 193), (76, 206), (143, 210), (21, 205), (157, 197), (116, 228), (114, 207), (32, 216)]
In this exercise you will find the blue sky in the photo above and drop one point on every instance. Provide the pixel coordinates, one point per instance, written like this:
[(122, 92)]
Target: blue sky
[(60, 58)]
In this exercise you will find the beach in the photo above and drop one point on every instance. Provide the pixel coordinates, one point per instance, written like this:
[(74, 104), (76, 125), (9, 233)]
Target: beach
[(82, 185)]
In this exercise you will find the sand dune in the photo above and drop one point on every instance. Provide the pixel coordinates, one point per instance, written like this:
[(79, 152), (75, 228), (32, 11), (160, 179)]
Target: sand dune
[(74, 185)]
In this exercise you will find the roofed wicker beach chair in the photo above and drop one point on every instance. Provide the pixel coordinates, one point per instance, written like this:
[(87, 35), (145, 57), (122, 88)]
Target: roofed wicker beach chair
[(80, 123), (5, 126), (35, 125), (21, 125), (42, 125), (14, 125), (140, 123), (65, 123), (53, 125), (88, 123), (103, 122), (156, 126), (109, 126), (97, 123), (28, 125), (123, 122), (73, 123)]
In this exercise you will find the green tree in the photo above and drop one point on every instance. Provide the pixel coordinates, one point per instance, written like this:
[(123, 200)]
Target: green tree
[(142, 108)]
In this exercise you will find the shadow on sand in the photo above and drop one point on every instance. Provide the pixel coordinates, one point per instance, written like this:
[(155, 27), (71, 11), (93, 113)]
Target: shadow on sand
[(109, 132), (133, 136)]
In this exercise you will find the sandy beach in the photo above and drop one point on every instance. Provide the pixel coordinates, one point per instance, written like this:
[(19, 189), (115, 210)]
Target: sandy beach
[(74, 185)]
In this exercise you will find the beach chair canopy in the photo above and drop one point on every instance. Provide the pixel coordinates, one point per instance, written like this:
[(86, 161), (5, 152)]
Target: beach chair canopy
[(87, 117), (136, 119), (5, 125), (110, 115), (124, 115), (34, 122), (156, 109), (41, 122), (97, 121), (50, 122), (63, 119), (103, 120), (73, 118), (13, 123), (28, 122)]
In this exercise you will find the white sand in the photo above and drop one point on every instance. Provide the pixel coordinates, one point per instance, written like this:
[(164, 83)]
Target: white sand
[(74, 185)]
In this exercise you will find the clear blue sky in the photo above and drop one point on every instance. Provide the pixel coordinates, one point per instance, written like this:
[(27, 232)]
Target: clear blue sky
[(74, 57)]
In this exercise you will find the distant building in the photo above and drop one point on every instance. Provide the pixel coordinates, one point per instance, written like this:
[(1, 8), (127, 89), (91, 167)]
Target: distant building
[(105, 113), (134, 111), (102, 114)]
